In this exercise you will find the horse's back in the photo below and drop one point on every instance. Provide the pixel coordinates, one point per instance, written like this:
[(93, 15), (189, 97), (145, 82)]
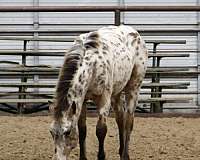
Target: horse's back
[(127, 49), (117, 50)]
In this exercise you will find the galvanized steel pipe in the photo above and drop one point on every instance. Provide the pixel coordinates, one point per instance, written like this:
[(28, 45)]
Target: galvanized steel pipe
[(97, 8)]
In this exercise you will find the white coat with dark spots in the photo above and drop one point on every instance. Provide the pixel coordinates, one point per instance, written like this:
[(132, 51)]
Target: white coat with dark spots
[(100, 66)]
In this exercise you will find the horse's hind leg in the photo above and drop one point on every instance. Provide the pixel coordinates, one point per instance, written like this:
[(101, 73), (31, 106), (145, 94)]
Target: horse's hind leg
[(131, 94), (117, 104), (82, 133), (103, 103), (101, 130)]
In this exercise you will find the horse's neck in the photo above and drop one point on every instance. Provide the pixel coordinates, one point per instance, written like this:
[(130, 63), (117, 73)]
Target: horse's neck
[(80, 83)]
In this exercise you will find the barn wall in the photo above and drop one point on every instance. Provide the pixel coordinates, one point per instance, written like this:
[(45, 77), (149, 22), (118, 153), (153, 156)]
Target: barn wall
[(139, 20)]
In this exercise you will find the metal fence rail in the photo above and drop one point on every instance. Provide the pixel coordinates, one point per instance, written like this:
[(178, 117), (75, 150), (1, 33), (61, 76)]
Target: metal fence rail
[(75, 32), (117, 20), (116, 9), (96, 8)]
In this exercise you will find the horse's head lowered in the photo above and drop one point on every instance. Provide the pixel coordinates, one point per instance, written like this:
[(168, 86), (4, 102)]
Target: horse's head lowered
[(64, 132), (64, 128)]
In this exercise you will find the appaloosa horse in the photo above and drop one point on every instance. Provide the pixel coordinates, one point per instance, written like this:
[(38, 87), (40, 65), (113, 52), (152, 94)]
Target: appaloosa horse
[(99, 67)]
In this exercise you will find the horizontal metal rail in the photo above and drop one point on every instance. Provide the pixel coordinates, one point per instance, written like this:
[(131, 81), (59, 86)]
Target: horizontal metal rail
[(144, 85), (73, 32), (38, 39), (146, 100), (33, 53), (72, 39), (50, 93), (170, 73), (171, 53), (96, 8), (56, 69), (78, 31), (62, 53)]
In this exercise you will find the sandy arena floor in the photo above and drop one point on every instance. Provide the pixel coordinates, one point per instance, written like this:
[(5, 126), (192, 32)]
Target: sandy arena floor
[(27, 138)]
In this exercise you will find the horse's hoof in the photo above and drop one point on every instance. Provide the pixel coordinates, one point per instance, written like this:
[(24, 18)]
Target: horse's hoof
[(101, 157), (120, 152), (125, 157)]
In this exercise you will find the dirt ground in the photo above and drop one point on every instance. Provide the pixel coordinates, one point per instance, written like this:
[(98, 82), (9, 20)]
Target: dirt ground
[(27, 138)]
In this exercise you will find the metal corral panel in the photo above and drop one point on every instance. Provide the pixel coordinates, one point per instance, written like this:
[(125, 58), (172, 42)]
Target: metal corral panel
[(139, 20), (77, 18), (191, 44), (16, 18), (14, 21), (161, 19), (169, 20), (14, 46)]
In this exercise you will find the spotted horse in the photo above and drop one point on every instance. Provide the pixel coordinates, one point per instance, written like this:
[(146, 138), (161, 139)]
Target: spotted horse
[(103, 66)]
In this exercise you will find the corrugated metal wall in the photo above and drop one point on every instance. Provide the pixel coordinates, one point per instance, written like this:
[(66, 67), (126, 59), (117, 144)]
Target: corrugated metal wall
[(139, 20)]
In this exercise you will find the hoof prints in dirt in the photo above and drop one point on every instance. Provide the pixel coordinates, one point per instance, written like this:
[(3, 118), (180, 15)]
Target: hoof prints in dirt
[(28, 138)]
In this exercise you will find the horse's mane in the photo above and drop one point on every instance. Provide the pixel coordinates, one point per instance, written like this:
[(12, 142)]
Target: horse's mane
[(68, 70), (66, 75)]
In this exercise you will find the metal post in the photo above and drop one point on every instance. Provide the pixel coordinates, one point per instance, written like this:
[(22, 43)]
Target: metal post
[(122, 3), (198, 55), (159, 89), (155, 107), (117, 18), (24, 78), (198, 67), (36, 43), (22, 89)]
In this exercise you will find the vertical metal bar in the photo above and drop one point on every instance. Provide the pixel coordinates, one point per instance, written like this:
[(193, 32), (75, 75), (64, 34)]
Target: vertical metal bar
[(154, 60), (117, 18), (198, 67), (156, 106), (22, 89), (198, 55), (24, 49), (159, 89), (122, 14), (152, 106), (24, 78), (36, 43)]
